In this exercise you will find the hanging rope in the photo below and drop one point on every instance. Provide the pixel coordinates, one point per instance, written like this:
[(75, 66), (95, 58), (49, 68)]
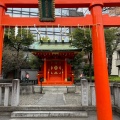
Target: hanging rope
[(4, 32), (84, 32), (9, 32), (16, 31), (21, 32), (71, 34), (90, 31), (53, 33), (27, 31)]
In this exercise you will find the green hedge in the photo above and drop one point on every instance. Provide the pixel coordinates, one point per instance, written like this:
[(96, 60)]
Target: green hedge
[(111, 79)]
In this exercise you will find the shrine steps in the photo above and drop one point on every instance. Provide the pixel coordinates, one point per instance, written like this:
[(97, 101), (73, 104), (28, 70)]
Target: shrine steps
[(57, 83), (50, 113), (63, 89), (47, 114)]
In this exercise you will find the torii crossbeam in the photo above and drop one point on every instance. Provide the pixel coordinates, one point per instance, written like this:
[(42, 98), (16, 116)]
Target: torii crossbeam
[(96, 20)]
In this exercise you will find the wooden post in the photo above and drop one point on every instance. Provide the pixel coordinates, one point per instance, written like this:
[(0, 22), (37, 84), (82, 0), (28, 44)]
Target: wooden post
[(38, 76), (62, 75), (48, 75), (2, 12), (103, 98), (44, 70), (65, 70)]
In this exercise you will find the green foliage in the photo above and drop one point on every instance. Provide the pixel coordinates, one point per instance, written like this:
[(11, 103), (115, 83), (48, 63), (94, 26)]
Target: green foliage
[(45, 39), (23, 39), (111, 40), (76, 63), (82, 39), (16, 44), (34, 62), (10, 62), (114, 79), (86, 70)]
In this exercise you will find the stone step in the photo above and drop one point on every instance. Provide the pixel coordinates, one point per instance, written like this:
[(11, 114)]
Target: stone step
[(62, 89), (69, 118), (48, 114)]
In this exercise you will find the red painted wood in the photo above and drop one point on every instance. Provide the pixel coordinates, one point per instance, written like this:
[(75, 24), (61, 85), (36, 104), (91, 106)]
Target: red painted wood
[(60, 3), (64, 21), (56, 72), (2, 12), (45, 70), (104, 109), (103, 98)]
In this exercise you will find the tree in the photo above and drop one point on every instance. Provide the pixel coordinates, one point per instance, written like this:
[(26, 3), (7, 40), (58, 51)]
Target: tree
[(35, 62), (112, 39), (22, 40), (82, 39), (9, 60), (76, 66)]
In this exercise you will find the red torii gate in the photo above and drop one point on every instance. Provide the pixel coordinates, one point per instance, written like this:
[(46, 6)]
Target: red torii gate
[(96, 20)]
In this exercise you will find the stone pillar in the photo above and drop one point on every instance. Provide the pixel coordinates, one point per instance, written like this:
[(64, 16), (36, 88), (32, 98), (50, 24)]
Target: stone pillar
[(119, 71), (84, 92), (118, 99), (6, 96), (115, 94), (93, 96), (15, 92), (0, 95)]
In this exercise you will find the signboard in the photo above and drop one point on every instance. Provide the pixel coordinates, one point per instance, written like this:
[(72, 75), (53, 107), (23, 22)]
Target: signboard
[(46, 10)]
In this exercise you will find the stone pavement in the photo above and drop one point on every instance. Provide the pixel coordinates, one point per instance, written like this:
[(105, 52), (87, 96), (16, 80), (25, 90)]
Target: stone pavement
[(50, 98)]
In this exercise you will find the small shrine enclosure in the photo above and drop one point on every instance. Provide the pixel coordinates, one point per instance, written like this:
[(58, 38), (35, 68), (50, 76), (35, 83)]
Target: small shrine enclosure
[(96, 20), (55, 69)]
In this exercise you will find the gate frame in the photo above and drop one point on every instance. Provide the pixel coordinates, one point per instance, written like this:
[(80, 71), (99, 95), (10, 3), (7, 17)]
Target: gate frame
[(96, 20)]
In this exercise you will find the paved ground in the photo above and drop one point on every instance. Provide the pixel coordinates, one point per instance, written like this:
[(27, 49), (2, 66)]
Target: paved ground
[(51, 98)]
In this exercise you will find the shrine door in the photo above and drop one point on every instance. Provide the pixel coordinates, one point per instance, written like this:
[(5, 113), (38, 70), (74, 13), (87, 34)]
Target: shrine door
[(55, 69)]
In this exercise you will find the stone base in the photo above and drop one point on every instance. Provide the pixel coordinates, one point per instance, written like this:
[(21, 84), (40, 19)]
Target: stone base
[(37, 89), (63, 89), (48, 114), (71, 89)]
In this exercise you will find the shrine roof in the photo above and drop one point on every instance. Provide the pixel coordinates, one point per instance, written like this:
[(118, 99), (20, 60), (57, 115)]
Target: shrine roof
[(52, 46)]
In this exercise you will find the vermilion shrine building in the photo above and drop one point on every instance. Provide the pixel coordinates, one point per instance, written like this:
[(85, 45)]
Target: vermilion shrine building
[(55, 69)]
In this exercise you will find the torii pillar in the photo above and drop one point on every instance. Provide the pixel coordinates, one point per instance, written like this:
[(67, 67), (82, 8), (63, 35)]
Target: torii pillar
[(2, 12), (103, 98)]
